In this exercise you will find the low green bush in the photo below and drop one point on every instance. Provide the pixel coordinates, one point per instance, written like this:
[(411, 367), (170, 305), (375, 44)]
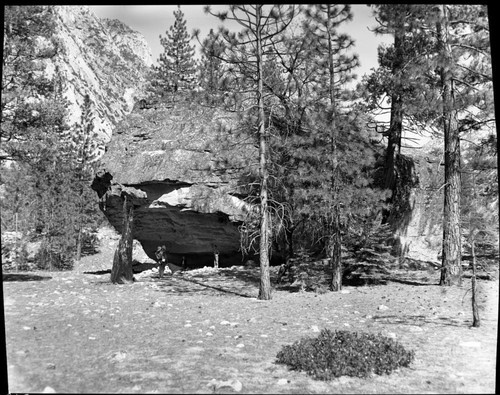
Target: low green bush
[(345, 353)]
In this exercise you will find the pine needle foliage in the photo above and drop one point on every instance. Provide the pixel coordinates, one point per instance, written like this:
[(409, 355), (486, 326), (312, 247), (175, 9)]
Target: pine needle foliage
[(344, 353), (45, 161), (177, 67)]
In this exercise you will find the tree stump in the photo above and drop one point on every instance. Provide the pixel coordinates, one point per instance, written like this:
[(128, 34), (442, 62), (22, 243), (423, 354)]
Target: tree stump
[(122, 272)]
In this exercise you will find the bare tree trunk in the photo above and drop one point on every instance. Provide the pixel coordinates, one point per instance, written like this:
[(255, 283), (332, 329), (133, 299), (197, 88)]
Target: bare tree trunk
[(396, 120), (476, 322), (452, 238), (265, 279), (122, 272), (335, 240), (336, 252), (79, 238)]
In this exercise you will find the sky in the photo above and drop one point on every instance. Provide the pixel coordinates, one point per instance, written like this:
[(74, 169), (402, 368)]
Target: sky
[(153, 20)]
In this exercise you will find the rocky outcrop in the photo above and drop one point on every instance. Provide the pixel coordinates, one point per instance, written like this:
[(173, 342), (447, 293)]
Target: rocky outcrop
[(168, 163), (103, 59), (419, 228)]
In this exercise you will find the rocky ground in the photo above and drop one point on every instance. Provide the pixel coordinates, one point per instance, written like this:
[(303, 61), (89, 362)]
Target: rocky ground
[(204, 331)]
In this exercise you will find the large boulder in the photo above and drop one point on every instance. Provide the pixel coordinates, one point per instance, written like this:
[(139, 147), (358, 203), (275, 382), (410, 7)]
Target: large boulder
[(168, 163)]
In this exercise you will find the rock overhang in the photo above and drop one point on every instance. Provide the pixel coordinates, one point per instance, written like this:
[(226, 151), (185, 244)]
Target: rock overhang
[(169, 170)]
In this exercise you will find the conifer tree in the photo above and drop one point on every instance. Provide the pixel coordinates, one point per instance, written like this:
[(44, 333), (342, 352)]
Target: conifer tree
[(177, 66), (45, 167), (22, 79), (445, 87), (398, 77), (245, 53), (211, 68), (463, 78), (333, 67), (83, 147)]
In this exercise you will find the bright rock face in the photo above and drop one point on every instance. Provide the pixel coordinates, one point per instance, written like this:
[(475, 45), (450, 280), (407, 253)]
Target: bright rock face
[(104, 59), (166, 162)]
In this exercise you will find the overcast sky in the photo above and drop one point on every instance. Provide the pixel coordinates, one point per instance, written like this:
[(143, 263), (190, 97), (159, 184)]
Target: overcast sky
[(153, 20)]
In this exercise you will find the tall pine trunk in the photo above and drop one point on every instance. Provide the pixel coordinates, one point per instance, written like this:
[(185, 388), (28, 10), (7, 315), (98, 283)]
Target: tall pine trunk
[(396, 117), (451, 269), (476, 322), (265, 230), (336, 251), (122, 272), (79, 242), (335, 240)]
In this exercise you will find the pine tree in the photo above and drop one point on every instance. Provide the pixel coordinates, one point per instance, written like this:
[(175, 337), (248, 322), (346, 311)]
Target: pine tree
[(37, 142), (211, 68), (83, 146), (177, 66), (397, 78), (246, 54), (333, 68), (464, 80), (22, 77), (445, 87)]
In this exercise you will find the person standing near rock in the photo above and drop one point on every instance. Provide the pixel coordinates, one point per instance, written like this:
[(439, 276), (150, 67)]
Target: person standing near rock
[(161, 259)]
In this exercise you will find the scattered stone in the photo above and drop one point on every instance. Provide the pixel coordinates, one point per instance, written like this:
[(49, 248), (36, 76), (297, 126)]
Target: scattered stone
[(187, 325), (118, 356), (345, 291), (382, 307), (48, 390), (470, 344), (264, 336), (233, 383), (315, 328), (224, 322), (240, 345), (343, 380), (415, 329), (51, 366), (209, 334), (392, 335), (346, 324), (26, 328), (282, 382)]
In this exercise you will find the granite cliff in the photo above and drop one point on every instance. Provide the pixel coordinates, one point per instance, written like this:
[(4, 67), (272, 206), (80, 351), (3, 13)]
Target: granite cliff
[(104, 59)]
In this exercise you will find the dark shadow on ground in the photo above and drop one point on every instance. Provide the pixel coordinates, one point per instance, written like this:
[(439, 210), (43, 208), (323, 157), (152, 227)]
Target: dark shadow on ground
[(23, 277), (181, 284), (251, 276), (411, 282), (219, 289), (287, 287), (135, 268), (419, 320)]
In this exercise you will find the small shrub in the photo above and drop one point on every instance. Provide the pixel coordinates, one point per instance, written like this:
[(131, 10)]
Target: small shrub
[(344, 353)]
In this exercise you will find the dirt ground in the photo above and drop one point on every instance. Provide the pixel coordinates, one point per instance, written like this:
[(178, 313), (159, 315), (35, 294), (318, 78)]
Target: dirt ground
[(204, 331)]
